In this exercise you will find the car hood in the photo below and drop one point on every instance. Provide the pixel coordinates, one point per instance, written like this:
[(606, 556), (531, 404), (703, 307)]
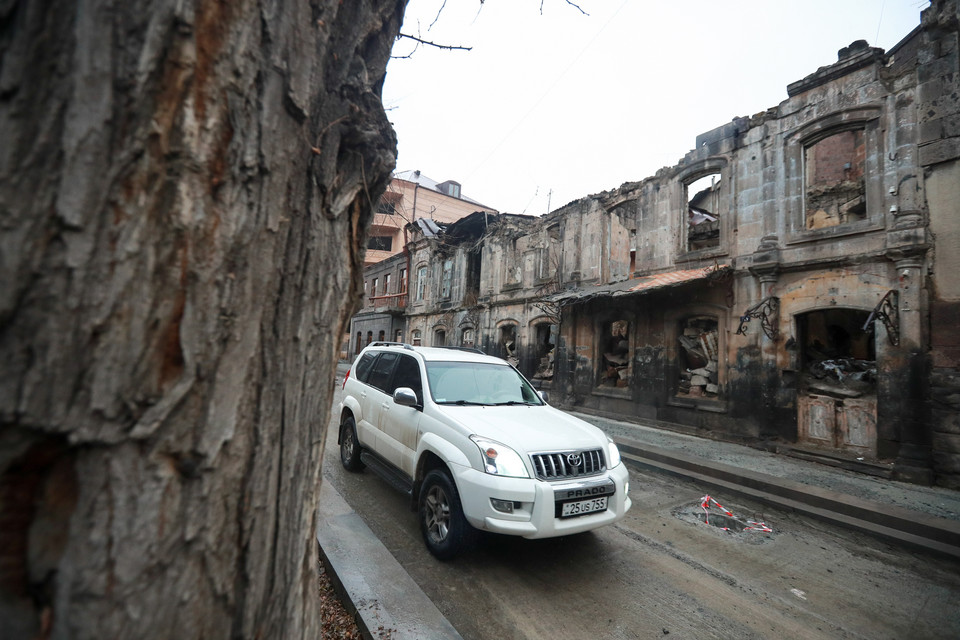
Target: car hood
[(528, 429)]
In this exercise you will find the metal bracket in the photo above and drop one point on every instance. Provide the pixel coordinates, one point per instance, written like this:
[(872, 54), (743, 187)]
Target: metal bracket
[(768, 312), (888, 312)]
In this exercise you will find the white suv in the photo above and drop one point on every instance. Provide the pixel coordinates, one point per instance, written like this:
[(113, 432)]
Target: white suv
[(475, 447)]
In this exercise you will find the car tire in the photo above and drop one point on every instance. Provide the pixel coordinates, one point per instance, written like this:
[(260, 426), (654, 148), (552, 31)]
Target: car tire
[(445, 529), (350, 446)]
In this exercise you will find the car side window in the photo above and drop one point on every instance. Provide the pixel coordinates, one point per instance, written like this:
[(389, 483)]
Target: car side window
[(407, 374), (381, 370), (362, 368)]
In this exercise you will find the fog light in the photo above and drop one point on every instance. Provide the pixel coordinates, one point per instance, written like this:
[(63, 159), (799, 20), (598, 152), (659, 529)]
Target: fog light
[(504, 506)]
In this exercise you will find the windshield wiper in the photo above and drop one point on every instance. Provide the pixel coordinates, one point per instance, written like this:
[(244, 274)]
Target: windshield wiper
[(464, 403), (511, 403)]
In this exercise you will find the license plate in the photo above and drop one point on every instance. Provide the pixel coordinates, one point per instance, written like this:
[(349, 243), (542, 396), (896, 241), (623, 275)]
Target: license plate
[(583, 506)]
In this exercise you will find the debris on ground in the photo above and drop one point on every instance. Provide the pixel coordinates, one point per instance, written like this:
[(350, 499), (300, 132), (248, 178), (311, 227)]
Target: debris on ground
[(335, 622)]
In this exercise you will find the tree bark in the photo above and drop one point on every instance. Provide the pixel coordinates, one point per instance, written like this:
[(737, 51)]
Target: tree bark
[(185, 187)]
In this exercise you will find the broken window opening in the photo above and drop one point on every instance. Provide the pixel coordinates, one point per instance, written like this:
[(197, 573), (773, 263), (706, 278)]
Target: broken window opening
[(837, 357), (467, 338), (615, 360), (439, 337), (359, 341), (380, 243), (544, 346), (835, 189), (699, 357), (508, 343), (421, 282), (417, 340), (369, 337), (703, 212), (388, 203), (446, 279), (398, 336)]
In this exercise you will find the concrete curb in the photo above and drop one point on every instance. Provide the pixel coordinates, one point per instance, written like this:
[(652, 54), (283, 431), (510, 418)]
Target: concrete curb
[(914, 529), (383, 598)]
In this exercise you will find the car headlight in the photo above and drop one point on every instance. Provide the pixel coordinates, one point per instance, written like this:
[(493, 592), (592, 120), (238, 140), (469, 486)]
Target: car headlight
[(613, 454), (499, 459)]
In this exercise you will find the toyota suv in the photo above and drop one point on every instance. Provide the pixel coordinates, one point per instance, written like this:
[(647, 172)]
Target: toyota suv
[(475, 447)]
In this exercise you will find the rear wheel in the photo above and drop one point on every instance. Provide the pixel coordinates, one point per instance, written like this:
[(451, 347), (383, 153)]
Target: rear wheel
[(349, 447), (445, 529)]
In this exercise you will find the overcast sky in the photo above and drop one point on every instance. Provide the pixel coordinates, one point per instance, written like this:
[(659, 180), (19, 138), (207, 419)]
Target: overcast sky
[(548, 108)]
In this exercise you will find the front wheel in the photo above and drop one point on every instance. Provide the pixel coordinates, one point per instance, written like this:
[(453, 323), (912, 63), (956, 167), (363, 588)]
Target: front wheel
[(349, 446), (445, 529)]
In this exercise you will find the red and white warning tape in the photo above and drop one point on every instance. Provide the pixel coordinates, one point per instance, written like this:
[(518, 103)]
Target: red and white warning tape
[(755, 526)]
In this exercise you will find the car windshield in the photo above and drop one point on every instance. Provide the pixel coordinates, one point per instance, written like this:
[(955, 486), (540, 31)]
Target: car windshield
[(479, 383)]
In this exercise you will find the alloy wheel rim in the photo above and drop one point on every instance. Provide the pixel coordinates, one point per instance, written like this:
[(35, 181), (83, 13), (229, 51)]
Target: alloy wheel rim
[(347, 444), (437, 514)]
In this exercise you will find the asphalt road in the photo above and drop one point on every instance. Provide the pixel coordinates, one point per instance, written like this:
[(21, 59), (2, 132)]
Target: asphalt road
[(662, 573)]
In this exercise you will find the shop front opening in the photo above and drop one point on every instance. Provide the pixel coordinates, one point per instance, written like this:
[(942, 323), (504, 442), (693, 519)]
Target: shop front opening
[(837, 396)]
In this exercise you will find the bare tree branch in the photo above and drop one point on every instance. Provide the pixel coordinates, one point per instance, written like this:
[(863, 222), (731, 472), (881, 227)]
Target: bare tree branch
[(438, 15), (431, 44), (572, 4)]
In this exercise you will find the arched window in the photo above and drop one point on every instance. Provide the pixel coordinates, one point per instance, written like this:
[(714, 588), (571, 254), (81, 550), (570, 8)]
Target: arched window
[(417, 337)]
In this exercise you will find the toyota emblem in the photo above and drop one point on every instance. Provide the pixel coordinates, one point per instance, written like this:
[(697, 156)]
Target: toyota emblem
[(574, 459)]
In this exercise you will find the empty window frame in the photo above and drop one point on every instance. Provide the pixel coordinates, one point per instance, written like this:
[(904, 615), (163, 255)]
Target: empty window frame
[(702, 211), (439, 337), (836, 355), (446, 279), (543, 341), (386, 284), (421, 282), (389, 203), (698, 357), (416, 336), (508, 343), (615, 353), (467, 338), (380, 243), (834, 181)]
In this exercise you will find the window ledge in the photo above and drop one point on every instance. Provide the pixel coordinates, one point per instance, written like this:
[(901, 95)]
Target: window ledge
[(704, 404), (613, 392), (701, 254), (853, 228)]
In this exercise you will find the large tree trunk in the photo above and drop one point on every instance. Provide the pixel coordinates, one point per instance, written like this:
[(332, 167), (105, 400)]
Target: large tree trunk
[(184, 193)]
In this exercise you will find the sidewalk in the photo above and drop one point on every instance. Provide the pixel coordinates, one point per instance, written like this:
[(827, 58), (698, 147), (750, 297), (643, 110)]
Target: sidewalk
[(926, 518)]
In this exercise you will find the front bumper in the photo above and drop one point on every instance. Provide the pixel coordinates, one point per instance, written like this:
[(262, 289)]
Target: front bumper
[(535, 502)]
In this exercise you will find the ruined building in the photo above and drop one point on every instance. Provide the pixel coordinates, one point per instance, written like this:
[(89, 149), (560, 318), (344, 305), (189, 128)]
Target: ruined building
[(794, 282)]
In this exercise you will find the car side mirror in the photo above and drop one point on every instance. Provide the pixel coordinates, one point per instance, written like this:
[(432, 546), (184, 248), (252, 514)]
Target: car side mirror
[(405, 396)]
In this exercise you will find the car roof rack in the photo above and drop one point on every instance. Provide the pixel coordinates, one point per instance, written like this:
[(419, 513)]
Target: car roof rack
[(467, 349), (391, 344)]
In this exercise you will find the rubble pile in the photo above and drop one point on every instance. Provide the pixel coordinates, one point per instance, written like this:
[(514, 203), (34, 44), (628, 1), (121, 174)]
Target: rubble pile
[(842, 377), (700, 346)]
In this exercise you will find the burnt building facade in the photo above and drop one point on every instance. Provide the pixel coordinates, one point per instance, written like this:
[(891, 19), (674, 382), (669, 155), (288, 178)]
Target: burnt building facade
[(792, 282)]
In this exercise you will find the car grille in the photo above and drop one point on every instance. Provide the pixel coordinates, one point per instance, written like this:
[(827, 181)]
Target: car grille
[(564, 464)]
